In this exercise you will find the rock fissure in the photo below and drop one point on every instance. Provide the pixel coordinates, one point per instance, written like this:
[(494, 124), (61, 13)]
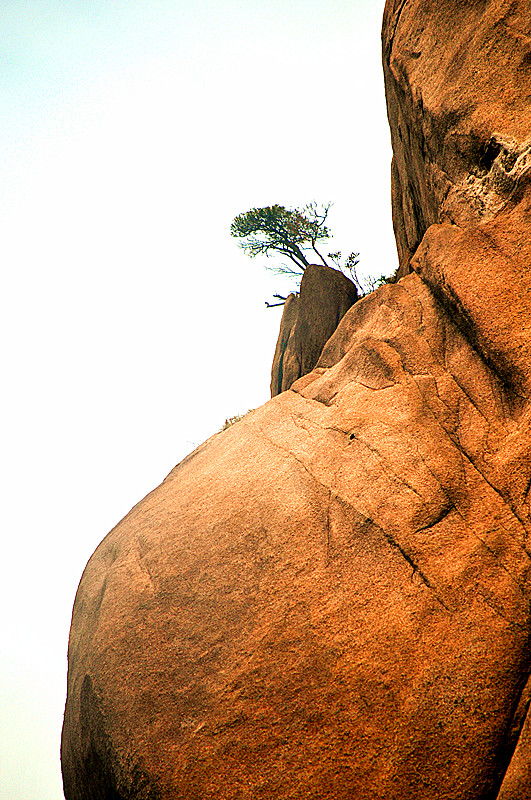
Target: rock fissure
[(296, 458), (144, 562), (326, 403), (296, 647), (495, 608), (521, 586), (453, 434), (412, 563), (510, 506), (372, 388), (439, 518), (328, 523), (391, 35), (471, 400), (385, 465), (459, 314), (515, 728)]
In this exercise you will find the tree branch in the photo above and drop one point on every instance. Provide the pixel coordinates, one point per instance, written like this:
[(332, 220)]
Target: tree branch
[(318, 253)]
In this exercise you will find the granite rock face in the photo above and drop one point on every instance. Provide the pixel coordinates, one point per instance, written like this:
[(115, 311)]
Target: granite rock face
[(308, 322), (458, 82), (331, 598)]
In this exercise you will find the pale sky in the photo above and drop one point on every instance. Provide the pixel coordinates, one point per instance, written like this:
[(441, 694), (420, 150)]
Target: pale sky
[(132, 133)]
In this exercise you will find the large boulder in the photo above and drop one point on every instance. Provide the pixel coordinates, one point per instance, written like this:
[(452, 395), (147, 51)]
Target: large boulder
[(328, 600), (309, 320), (331, 598)]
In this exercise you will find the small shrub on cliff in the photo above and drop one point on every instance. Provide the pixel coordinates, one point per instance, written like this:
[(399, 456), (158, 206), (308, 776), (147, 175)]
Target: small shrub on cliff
[(230, 421), (364, 285), (292, 233)]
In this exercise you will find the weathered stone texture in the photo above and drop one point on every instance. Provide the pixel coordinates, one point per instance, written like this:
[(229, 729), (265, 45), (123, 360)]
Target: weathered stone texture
[(308, 322), (458, 84), (331, 599)]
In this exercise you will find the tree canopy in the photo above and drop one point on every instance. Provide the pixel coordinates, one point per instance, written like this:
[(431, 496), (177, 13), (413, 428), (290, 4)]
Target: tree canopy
[(275, 230), (294, 233)]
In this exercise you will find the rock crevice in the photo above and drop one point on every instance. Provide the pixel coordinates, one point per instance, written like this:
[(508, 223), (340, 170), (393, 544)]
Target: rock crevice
[(308, 321), (331, 598)]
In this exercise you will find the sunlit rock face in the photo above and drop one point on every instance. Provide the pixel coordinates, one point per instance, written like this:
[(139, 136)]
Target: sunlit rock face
[(330, 599), (308, 321)]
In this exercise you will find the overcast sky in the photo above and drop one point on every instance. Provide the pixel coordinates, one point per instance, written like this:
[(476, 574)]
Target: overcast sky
[(132, 133)]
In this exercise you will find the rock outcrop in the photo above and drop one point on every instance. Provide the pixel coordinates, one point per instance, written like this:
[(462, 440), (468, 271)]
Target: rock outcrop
[(308, 322), (458, 81), (331, 598)]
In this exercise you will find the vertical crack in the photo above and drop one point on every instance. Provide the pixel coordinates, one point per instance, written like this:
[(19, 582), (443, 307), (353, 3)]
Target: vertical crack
[(328, 525), (515, 724), (392, 31)]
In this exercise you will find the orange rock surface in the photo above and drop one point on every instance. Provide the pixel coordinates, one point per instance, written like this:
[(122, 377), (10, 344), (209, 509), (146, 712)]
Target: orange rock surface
[(331, 599), (308, 322), (458, 85)]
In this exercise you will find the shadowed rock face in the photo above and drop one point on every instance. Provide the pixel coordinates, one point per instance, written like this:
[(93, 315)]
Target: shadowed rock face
[(330, 599), (458, 86), (308, 322)]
